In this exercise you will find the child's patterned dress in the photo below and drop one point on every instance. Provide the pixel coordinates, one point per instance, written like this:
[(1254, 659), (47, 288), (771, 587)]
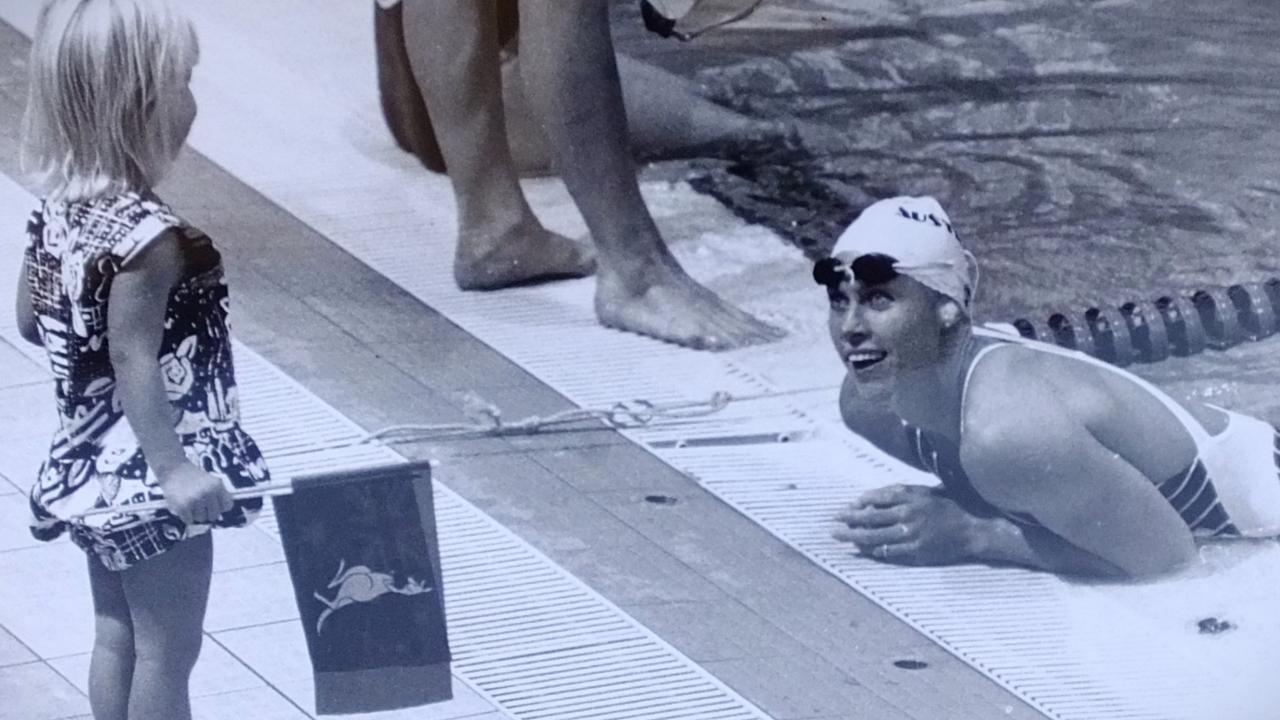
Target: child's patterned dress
[(74, 251)]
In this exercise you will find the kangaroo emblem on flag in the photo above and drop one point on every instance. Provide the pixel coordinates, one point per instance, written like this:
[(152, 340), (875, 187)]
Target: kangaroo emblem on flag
[(359, 584)]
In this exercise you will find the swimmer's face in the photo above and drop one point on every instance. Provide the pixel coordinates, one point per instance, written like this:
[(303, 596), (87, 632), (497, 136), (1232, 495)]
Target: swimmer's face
[(878, 318)]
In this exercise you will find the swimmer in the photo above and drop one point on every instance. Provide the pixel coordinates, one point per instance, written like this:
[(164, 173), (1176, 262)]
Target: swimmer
[(1049, 459)]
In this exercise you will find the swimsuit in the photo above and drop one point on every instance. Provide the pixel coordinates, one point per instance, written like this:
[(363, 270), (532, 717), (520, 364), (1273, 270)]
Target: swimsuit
[(73, 254), (1231, 489)]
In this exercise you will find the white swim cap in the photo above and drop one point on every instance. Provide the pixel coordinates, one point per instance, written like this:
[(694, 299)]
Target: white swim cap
[(917, 234)]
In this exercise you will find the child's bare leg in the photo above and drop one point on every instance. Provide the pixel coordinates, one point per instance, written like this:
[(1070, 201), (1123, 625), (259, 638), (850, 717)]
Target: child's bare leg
[(111, 666), (167, 598), (453, 49)]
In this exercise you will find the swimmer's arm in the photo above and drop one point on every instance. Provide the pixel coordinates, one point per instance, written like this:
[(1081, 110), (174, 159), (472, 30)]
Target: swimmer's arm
[(1100, 514), (23, 311), (1001, 541), (135, 326), (869, 414)]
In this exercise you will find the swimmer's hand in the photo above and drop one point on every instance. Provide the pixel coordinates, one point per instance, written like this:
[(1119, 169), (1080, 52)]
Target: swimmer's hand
[(194, 496), (909, 524)]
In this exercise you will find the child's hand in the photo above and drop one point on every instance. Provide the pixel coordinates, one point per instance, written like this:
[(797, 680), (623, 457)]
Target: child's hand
[(195, 496)]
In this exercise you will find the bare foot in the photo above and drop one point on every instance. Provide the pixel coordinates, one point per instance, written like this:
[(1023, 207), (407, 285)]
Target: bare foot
[(523, 255), (669, 305)]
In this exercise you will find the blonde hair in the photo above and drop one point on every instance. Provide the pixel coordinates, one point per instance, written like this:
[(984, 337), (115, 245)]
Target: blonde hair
[(100, 71)]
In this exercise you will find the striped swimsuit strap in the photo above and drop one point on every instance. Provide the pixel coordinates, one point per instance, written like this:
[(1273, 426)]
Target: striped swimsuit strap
[(1192, 495)]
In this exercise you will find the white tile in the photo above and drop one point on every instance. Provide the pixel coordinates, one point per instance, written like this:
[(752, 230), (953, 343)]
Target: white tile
[(74, 669), (13, 652), (466, 703), (15, 515), (27, 420), (250, 596), (277, 652), (21, 455), (236, 548), (19, 369), (216, 672), (35, 692), (45, 601), (28, 410), (257, 704)]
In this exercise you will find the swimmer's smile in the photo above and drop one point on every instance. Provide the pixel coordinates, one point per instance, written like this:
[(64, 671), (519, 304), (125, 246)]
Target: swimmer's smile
[(863, 359)]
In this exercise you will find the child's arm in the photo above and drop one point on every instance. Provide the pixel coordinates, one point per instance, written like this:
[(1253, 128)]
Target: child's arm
[(135, 326), (23, 311)]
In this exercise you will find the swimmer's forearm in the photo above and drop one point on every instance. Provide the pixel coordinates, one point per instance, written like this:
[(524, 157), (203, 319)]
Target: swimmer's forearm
[(1002, 541)]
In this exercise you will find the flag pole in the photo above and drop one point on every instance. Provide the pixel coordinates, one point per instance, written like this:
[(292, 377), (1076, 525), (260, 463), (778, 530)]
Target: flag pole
[(271, 489)]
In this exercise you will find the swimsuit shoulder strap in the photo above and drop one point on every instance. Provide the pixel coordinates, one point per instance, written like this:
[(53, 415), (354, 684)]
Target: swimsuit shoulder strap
[(1193, 426), (986, 344)]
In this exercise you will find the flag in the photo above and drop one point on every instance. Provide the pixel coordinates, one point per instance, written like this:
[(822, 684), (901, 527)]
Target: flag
[(365, 566)]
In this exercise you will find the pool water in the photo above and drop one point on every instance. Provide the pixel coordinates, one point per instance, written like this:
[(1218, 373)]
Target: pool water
[(1089, 152)]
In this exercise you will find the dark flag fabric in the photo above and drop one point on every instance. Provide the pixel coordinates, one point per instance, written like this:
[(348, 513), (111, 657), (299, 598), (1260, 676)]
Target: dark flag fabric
[(365, 565)]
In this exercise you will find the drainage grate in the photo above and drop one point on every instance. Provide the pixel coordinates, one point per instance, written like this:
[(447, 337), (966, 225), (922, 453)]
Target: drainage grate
[(532, 638)]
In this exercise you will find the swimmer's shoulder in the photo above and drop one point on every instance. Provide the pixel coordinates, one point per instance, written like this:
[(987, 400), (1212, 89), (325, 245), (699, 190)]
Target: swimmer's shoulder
[(1010, 368), (1017, 426), (1014, 390)]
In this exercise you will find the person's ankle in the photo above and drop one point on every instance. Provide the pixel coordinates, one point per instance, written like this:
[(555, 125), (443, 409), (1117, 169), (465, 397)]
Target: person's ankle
[(633, 274), (479, 237)]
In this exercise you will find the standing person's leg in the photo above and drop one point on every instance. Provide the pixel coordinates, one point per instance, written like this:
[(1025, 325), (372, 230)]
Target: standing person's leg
[(453, 48), (402, 105), (111, 665), (167, 596), (571, 77)]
